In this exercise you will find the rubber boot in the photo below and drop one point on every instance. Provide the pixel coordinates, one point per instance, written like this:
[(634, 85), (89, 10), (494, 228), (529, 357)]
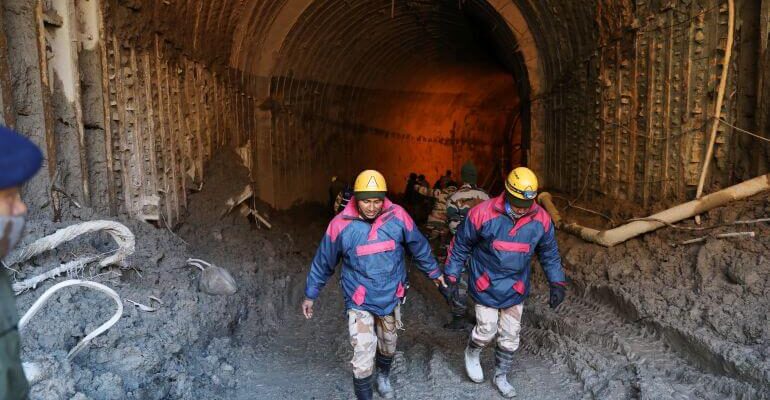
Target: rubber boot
[(503, 363), (458, 323), (472, 362), (383, 376), (363, 388)]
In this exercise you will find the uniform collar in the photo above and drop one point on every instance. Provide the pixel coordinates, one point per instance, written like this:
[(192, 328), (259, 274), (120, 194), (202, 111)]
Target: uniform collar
[(500, 205), (351, 210)]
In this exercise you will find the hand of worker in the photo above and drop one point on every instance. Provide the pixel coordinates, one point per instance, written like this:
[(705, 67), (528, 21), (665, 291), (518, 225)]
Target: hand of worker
[(307, 308), (557, 295), (440, 282), (449, 291)]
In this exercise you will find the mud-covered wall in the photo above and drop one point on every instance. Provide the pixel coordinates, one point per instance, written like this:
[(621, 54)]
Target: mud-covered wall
[(125, 118), (631, 120)]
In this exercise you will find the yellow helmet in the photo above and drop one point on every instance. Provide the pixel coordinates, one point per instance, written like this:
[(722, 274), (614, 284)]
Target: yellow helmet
[(522, 184), (369, 184)]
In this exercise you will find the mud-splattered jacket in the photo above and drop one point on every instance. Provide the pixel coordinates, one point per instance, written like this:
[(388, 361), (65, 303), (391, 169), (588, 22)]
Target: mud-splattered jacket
[(373, 267), (500, 252), (460, 202)]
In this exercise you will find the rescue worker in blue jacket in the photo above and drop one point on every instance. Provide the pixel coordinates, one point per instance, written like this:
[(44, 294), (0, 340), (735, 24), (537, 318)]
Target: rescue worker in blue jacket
[(369, 236), (20, 160), (500, 236)]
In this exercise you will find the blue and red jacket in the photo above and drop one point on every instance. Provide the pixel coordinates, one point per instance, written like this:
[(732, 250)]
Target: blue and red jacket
[(373, 267), (500, 252)]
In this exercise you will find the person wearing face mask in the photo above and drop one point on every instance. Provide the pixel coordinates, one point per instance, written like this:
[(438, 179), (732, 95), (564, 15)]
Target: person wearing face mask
[(20, 159), (370, 236), (499, 237)]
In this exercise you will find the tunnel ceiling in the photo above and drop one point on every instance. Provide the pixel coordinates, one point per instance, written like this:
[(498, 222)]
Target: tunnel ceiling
[(371, 42), (320, 38)]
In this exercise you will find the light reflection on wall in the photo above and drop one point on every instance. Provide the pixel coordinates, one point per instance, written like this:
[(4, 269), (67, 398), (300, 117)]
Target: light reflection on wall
[(455, 114)]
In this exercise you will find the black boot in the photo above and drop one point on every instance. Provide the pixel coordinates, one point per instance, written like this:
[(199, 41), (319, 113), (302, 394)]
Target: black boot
[(503, 363), (458, 323), (363, 388), (383, 375)]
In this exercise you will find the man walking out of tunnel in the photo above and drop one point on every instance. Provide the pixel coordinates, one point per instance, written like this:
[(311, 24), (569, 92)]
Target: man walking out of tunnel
[(369, 236), (499, 236), (436, 228), (19, 161), (458, 205)]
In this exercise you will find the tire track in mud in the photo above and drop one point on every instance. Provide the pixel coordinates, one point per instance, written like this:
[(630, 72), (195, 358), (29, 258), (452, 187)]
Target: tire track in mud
[(618, 357)]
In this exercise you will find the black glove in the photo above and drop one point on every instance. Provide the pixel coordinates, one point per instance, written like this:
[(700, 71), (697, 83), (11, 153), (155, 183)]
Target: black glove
[(557, 295), (449, 292)]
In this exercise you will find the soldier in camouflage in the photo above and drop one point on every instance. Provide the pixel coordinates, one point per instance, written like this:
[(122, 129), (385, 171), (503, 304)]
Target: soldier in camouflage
[(458, 205), (436, 229)]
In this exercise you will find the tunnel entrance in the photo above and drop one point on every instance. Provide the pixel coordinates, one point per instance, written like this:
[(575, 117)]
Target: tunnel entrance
[(417, 86)]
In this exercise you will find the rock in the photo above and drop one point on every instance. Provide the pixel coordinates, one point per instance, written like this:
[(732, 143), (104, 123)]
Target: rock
[(109, 386), (34, 372), (217, 281), (742, 274)]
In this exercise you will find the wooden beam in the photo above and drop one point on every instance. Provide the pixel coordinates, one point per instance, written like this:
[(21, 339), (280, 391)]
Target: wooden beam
[(667, 104), (7, 112), (48, 118), (163, 121), (77, 104), (650, 105), (120, 100), (151, 128), (46, 95), (111, 191), (171, 144)]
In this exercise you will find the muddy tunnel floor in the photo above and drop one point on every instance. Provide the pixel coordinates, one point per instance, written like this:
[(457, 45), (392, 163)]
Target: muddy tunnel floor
[(643, 320)]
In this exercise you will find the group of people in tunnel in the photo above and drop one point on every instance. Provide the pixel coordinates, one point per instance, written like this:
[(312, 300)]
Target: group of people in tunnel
[(491, 242)]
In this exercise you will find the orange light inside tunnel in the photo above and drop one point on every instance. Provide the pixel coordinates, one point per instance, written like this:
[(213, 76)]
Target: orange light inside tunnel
[(453, 115)]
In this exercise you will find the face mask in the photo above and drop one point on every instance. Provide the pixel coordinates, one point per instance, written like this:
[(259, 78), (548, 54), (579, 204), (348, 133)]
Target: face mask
[(10, 233), (513, 213)]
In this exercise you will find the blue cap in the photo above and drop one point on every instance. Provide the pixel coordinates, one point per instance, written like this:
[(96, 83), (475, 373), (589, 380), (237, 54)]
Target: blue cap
[(20, 159)]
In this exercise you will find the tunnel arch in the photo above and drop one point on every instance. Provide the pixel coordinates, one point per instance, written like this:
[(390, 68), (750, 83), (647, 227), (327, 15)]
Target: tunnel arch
[(310, 35)]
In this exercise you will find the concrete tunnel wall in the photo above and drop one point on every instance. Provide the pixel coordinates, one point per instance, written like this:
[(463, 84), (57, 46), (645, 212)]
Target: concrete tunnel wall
[(301, 86)]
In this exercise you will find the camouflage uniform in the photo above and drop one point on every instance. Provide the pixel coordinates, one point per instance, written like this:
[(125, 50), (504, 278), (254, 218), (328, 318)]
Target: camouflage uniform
[(342, 199), (458, 205), (436, 229), (368, 334), (504, 323)]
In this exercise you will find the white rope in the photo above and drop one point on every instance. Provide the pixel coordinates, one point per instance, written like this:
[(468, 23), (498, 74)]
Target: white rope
[(31, 283), (119, 232), (76, 282)]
